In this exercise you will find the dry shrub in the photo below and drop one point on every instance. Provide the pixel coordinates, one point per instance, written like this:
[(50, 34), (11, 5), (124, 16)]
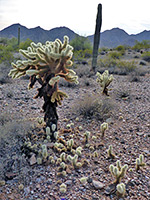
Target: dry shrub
[(83, 70), (11, 126), (94, 107)]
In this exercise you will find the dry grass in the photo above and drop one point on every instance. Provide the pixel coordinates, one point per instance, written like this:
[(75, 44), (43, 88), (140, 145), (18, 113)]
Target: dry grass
[(93, 107)]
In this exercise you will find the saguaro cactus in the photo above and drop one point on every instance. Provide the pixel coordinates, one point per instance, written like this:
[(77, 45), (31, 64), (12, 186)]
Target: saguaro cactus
[(47, 64), (97, 36)]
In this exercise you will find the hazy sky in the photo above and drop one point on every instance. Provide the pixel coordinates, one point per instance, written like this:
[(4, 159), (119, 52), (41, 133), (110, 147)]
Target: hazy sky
[(79, 15)]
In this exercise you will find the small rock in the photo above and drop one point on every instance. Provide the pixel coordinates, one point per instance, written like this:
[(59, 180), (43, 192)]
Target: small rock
[(32, 159), (10, 175), (27, 190), (98, 184), (68, 182), (140, 133)]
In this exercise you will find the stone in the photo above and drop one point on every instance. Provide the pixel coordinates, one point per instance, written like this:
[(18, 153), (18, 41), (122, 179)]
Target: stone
[(97, 184), (32, 159)]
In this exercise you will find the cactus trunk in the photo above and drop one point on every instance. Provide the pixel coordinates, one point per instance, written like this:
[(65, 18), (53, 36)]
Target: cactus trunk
[(97, 37), (49, 108)]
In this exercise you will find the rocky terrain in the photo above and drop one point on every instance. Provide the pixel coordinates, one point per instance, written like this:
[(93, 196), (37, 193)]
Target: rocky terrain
[(127, 112)]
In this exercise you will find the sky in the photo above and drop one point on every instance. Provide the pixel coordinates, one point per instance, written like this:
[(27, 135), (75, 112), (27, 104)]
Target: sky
[(79, 15)]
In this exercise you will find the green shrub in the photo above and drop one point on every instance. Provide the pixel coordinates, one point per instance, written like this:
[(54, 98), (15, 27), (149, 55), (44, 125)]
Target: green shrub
[(128, 66), (114, 55), (80, 43), (6, 54), (107, 62), (145, 44), (116, 66), (24, 45), (120, 48), (146, 56)]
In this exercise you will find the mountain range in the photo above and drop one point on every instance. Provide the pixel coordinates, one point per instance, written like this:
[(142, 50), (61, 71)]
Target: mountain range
[(109, 38)]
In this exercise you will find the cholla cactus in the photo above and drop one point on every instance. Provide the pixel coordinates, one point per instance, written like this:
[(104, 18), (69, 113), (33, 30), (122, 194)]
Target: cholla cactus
[(121, 190), (47, 64), (87, 136), (70, 144), (44, 151), (63, 188), (110, 152), (74, 160), (104, 80), (118, 171), (140, 162), (104, 127)]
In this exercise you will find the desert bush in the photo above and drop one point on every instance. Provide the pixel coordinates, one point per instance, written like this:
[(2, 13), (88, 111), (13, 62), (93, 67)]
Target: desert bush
[(3, 40), (121, 49), (6, 55), (7, 46), (80, 43), (24, 45), (107, 62), (127, 66), (91, 107), (145, 44), (104, 49), (83, 70), (146, 56), (116, 66), (4, 69), (114, 55)]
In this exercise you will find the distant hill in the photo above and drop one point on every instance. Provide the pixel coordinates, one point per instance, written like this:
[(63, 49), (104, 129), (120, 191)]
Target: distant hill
[(114, 37), (109, 38), (36, 34)]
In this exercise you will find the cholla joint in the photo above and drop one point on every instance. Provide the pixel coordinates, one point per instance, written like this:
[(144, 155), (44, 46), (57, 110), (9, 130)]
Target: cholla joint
[(121, 190), (46, 64)]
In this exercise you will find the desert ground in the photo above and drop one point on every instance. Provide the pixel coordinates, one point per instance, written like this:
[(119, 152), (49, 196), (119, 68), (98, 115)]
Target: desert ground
[(127, 112)]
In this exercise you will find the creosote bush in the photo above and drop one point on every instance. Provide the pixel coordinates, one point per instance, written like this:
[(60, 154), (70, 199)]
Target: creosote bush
[(117, 66)]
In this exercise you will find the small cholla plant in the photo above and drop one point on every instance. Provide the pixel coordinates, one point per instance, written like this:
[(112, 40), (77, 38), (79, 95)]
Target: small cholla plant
[(104, 80), (104, 127), (63, 188), (140, 162), (74, 160), (118, 171), (121, 190), (110, 152), (46, 64), (87, 136)]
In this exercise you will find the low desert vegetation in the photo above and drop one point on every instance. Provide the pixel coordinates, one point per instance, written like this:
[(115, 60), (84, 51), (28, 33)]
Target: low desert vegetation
[(87, 150)]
